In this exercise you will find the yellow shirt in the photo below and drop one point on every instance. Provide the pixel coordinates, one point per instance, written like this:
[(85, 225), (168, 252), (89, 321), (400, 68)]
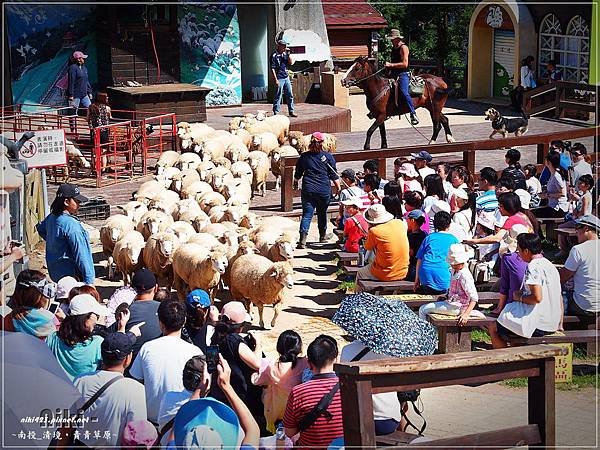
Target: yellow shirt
[(390, 242)]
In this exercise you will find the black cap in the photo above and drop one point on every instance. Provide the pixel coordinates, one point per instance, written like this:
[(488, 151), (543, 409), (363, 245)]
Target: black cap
[(116, 346), (349, 173), (143, 280), (67, 190)]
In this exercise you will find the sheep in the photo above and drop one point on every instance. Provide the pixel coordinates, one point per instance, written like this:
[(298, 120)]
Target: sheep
[(204, 169), (241, 169), (191, 133), (237, 187), (260, 281), (195, 267), (259, 163), (183, 230), (241, 203), (188, 160), (219, 176), (216, 213), (234, 123), (207, 240), (244, 136), (280, 126), (265, 142), (257, 127), (127, 252), (185, 206), (167, 159), (233, 214), (134, 210), (158, 256), (166, 176), (211, 149), (154, 222), (199, 220), (75, 154), (209, 200), (223, 162), (148, 190), (297, 140), (248, 220), (190, 191), (278, 223), (165, 201), (244, 248), (218, 230), (113, 229), (275, 245), (276, 155), (184, 178), (237, 152)]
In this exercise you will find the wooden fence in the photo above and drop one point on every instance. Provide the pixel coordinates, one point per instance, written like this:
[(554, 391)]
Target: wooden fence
[(559, 97), (467, 149)]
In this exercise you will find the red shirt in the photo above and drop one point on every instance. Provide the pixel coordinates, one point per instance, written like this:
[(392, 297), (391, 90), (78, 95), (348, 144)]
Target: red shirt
[(302, 400), (353, 233)]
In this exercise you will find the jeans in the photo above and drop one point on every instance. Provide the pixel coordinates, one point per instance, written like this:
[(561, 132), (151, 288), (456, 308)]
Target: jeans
[(84, 102), (284, 87), (403, 81), (310, 202)]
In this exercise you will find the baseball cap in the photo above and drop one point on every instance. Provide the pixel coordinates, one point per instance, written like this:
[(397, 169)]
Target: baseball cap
[(86, 304), (415, 214), (198, 297), (422, 155), (461, 193), (282, 42), (143, 280), (77, 54), (349, 173), (116, 346), (236, 312), (45, 287), (67, 190), (318, 136), (64, 286), (589, 220), (353, 201)]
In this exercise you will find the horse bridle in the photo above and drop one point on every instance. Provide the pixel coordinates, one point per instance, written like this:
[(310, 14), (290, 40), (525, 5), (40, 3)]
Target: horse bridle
[(360, 80)]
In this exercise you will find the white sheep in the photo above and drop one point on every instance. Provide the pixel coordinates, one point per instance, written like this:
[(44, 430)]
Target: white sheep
[(184, 178), (185, 206), (209, 200), (134, 210), (207, 240), (329, 143), (195, 267), (167, 158), (233, 214), (237, 152), (244, 136), (260, 281), (265, 142), (204, 169), (189, 160), (75, 154), (211, 149), (259, 163), (198, 219), (242, 203), (248, 221), (183, 230), (280, 126), (257, 127), (297, 140), (153, 222), (270, 223), (111, 231), (218, 177), (166, 176), (218, 230), (190, 133), (244, 248), (237, 187), (127, 254), (158, 256), (190, 191), (165, 201), (276, 155), (216, 213), (241, 169), (276, 246), (223, 162), (148, 190)]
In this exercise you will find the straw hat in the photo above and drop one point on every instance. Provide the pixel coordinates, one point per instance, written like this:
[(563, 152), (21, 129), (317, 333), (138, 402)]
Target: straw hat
[(394, 34), (377, 214), (458, 254)]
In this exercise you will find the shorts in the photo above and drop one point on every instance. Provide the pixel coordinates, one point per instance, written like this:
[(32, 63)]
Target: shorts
[(503, 331)]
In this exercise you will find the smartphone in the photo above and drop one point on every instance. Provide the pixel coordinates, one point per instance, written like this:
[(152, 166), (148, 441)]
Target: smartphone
[(212, 358), (53, 307)]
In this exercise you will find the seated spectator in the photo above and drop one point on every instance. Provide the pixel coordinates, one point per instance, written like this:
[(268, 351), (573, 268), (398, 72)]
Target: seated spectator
[(208, 423), (387, 237), (582, 267), (322, 353), (559, 147), (488, 253), (512, 268), (583, 207), (29, 302), (372, 192), (74, 345), (279, 377), (465, 218), (63, 289), (201, 316), (421, 160), (461, 178), (397, 164), (512, 158), (443, 170), (552, 73), (351, 190), (371, 166), (356, 227), (144, 308), (556, 190), (537, 306), (416, 236), (533, 184), (433, 271), (124, 401), (580, 166), (434, 192), (462, 295), (162, 294), (159, 364), (414, 200), (410, 178), (487, 201)]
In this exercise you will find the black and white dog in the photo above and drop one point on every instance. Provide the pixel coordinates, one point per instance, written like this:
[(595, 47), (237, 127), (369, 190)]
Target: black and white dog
[(504, 126)]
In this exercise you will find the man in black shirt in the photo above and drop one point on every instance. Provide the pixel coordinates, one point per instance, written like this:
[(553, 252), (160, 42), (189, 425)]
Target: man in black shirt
[(400, 71)]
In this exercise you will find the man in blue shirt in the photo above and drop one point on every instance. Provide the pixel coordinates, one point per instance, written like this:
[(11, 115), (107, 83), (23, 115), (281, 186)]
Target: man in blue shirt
[(68, 250), (280, 61), (317, 169)]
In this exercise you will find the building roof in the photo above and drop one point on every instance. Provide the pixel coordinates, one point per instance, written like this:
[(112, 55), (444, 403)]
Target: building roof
[(351, 14)]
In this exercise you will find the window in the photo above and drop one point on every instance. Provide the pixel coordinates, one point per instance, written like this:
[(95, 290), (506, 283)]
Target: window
[(571, 50)]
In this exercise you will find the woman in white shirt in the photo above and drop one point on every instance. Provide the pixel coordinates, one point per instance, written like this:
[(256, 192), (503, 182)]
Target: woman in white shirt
[(527, 74), (556, 190)]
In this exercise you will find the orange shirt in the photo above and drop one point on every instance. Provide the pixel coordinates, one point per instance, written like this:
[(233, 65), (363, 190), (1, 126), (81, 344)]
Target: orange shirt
[(390, 242)]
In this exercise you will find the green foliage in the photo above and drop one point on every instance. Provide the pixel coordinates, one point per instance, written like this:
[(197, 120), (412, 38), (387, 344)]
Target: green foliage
[(478, 335), (432, 31), (347, 286), (579, 382)]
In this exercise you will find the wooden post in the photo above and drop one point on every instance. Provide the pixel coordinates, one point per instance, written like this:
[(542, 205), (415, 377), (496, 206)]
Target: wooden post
[(357, 404), (287, 191), (469, 160), (381, 168), (542, 151), (540, 402)]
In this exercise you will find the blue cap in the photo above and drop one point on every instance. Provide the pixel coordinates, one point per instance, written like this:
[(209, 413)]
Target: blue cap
[(116, 346), (415, 214), (422, 155), (198, 297)]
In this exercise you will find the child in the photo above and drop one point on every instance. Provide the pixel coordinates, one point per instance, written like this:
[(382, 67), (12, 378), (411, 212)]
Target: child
[(351, 190), (355, 227), (583, 207), (410, 178), (416, 236), (373, 194), (462, 295), (99, 114), (534, 187)]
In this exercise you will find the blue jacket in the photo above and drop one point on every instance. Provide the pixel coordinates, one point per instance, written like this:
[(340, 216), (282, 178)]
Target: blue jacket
[(315, 173), (79, 83), (68, 249)]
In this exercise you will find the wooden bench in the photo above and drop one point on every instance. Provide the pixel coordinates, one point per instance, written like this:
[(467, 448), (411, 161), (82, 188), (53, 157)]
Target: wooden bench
[(561, 337), (550, 225), (383, 287), (347, 258), (415, 301), (359, 380)]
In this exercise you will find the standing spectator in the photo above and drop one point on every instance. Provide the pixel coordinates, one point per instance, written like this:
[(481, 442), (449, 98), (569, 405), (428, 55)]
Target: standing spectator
[(316, 168), (580, 165), (410, 178), (201, 317), (433, 271), (122, 402), (279, 377), (582, 267), (281, 61), (99, 114), (534, 187), (527, 81), (512, 158), (487, 200), (351, 190), (68, 250), (79, 90), (552, 72), (322, 354), (537, 306), (421, 160), (388, 239), (556, 190), (74, 345), (356, 227), (144, 309), (159, 364), (416, 236)]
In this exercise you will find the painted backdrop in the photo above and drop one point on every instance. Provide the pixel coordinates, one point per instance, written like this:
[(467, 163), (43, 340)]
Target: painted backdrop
[(41, 39), (210, 50)]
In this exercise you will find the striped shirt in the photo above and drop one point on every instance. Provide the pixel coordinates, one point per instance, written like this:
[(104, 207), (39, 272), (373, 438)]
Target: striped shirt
[(487, 201), (302, 400)]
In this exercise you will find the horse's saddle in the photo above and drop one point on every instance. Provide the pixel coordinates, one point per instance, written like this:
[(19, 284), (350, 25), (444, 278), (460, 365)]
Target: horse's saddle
[(416, 87)]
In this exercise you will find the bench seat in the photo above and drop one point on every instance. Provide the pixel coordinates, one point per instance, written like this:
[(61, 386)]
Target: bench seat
[(381, 287), (561, 337)]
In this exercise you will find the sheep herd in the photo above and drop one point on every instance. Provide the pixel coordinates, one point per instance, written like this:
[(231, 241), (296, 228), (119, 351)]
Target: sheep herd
[(191, 223)]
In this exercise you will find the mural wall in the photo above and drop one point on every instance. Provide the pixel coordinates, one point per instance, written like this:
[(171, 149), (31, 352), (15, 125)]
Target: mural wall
[(210, 50), (42, 39)]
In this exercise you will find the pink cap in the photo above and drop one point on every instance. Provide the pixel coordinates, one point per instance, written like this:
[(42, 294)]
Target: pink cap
[(236, 312), (78, 54), (139, 432), (318, 136)]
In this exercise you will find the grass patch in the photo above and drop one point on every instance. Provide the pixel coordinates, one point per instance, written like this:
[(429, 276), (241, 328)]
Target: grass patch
[(579, 382), (347, 286), (479, 335), (515, 383), (581, 354)]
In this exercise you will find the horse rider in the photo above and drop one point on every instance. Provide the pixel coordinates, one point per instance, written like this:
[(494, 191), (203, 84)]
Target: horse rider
[(400, 71)]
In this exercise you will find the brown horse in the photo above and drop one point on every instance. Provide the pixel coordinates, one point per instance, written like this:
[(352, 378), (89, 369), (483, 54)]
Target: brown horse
[(381, 103)]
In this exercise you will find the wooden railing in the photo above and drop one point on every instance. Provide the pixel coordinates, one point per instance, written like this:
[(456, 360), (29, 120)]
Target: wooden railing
[(556, 97), (467, 149)]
